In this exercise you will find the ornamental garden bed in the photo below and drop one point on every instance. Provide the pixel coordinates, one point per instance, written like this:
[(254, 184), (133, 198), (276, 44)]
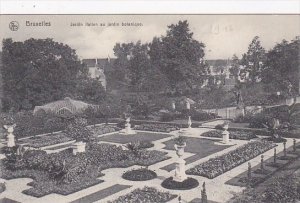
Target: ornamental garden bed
[(156, 127), (62, 171), (221, 164), (138, 137), (142, 174), (145, 195), (46, 140), (259, 175), (237, 134), (103, 129), (187, 184)]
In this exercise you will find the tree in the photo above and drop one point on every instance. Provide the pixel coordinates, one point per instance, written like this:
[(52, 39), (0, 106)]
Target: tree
[(253, 61), (235, 67), (179, 57), (281, 72), (132, 63), (38, 71)]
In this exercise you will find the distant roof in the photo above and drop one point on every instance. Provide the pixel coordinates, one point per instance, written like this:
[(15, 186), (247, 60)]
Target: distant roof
[(71, 105), (100, 62), (218, 62)]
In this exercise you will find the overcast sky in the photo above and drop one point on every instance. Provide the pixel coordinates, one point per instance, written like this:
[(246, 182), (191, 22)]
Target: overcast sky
[(223, 35)]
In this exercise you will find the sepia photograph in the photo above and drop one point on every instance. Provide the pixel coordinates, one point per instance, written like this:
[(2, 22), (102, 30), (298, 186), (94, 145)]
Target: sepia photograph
[(150, 108)]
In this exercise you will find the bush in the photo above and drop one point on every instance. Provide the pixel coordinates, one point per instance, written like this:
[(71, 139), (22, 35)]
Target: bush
[(187, 184), (139, 175), (257, 120), (78, 130), (145, 195), (167, 117)]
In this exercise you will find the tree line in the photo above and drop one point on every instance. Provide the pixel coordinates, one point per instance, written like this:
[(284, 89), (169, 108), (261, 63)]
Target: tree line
[(38, 71)]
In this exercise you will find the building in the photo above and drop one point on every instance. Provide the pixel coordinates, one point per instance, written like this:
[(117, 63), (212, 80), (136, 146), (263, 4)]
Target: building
[(220, 73), (98, 67)]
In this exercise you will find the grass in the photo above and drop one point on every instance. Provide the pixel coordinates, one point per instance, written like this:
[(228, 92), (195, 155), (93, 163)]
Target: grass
[(139, 136)]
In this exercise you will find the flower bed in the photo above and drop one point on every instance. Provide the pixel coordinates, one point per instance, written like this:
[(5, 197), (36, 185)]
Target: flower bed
[(145, 195), (187, 184), (221, 164), (47, 140), (156, 127), (237, 134), (139, 175), (62, 171), (103, 129)]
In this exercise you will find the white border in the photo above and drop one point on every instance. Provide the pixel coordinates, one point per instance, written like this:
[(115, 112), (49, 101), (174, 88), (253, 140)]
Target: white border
[(150, 7)]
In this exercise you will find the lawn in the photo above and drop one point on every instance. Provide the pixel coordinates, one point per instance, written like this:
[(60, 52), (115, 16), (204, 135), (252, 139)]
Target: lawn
[(139, 136), (201, 147)]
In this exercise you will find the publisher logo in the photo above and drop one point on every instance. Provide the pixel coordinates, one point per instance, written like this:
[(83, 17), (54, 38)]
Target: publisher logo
[(13, 25)]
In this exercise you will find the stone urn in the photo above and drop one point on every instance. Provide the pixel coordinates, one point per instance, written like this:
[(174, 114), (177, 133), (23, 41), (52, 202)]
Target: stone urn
[(10, 135), (180, 149), (78, 147)]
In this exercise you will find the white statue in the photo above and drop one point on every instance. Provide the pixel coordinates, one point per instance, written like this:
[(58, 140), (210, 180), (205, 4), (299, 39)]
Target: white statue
[(10, 135), (128, 130), (180, 175), (225, 134)]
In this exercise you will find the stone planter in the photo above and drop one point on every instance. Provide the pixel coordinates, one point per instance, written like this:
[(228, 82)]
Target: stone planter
[(78, 147), (179, 149)]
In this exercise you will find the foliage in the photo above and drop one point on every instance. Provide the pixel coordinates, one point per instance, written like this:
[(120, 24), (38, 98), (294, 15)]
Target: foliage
[(180, 140), (187, 184), (39, 71), (157, 127), (78, 130), (221, 164), (253, 61), (47, 140), (62, 172), (281, 72), (145, 195), (139, 175), (235, 134), (281, 189)]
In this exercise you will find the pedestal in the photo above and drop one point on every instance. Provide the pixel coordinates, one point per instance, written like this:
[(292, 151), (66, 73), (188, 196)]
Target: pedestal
[(180, 175), (225, 137), (11, 140), (78, 147)]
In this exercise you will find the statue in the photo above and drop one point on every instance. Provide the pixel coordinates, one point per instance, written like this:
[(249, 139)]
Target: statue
[(10, 135)]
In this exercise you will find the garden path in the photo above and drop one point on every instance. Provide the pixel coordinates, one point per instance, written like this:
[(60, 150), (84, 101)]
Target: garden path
[(216, 188)]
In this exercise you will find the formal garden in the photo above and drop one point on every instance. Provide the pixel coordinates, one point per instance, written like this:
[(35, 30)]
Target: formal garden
[(156, 131)]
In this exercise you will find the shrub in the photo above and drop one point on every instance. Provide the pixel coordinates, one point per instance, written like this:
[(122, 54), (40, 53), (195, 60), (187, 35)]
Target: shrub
[(77, 130), (145, 195), (139, 175), (167, 117), (157, 127), (187, 184)]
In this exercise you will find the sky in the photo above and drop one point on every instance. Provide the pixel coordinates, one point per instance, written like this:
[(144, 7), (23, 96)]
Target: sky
[(223, 35)]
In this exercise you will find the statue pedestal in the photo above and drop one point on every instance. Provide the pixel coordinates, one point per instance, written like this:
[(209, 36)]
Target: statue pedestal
[(11, 140), (225, 137), (128, 130), (180, 175)]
